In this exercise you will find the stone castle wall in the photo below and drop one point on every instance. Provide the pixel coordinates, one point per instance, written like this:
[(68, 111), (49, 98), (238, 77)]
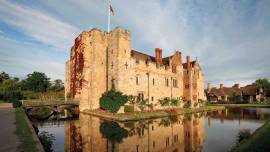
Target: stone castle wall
[(99, 59)]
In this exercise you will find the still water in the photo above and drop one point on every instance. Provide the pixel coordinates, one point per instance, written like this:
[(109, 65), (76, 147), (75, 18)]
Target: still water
[(208, 132)]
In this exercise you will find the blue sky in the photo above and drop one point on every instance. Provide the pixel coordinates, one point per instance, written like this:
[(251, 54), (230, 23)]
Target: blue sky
[(230, 38)]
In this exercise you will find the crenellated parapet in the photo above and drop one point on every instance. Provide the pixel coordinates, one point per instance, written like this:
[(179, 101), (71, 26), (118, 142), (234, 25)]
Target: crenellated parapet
[(99, 59)]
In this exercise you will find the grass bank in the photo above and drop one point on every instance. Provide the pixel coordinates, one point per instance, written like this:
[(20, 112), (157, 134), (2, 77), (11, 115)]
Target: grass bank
[(150, 114), (244, 105), (24, 132), (259, 141)]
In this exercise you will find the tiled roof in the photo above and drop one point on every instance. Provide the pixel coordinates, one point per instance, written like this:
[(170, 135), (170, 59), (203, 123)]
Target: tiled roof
[(143, 56), (229, 91), (249, 90)]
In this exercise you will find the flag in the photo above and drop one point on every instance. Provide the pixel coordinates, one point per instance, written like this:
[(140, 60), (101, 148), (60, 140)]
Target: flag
[(111, 9)]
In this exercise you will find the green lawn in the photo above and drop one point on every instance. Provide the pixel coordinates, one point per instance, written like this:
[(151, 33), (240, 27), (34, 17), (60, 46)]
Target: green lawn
[(150, 114), (24, 133), (258, 142)]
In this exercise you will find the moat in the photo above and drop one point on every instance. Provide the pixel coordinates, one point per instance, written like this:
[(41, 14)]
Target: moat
[(206, 131)]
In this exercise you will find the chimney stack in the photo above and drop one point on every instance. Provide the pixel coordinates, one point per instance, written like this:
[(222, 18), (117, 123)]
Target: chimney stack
[(221, 86), (188, 62), (158, 55), (180, 58)]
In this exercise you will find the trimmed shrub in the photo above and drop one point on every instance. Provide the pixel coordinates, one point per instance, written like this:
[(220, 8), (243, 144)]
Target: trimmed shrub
[(112, 100), (129, 108), (16, 103)]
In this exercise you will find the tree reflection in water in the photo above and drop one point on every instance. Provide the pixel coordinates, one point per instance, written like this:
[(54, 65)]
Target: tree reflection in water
[(113, 132)]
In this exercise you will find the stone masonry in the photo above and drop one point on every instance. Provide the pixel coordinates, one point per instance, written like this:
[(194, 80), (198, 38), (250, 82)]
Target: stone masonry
[(98, 59)]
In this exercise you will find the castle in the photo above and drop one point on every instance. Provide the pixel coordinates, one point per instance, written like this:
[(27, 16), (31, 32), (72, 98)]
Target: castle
[(99, 59)]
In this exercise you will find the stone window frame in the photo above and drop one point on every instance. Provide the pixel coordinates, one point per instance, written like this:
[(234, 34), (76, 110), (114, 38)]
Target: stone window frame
[(167, 84), (175, 83)]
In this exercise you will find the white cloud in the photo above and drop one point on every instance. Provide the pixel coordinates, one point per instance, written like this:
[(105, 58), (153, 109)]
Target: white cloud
[(19, 59), (38, 25), (230, 38)]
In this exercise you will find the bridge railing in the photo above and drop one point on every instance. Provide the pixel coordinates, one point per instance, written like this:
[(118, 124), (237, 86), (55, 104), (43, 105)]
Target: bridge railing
[(27, 103)]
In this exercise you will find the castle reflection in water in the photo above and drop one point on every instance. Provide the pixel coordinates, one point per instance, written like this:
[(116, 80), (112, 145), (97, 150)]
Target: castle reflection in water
[(183, 133), (174, 134)]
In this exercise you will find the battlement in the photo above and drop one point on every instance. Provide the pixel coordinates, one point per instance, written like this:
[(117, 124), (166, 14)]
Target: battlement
[(99, 59)]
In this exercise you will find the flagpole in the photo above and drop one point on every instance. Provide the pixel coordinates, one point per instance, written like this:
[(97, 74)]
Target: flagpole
[(109, 16)]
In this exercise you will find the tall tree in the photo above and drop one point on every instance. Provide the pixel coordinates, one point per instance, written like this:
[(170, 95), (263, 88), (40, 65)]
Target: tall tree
[(262, 83), (9, 90), (58, 85), (4, 76), (37, 82)]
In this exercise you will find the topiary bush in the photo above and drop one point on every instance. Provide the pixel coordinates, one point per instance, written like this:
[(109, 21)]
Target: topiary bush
[(112, 100)]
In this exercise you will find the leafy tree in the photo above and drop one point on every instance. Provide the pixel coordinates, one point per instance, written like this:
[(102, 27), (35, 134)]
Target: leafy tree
[(10, 91), (4, 76), (37, 82), (236, 98), (262, 83), (58, 85)]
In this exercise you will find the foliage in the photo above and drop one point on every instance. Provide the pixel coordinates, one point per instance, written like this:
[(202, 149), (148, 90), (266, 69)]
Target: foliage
[(37, 82), (188, 104), (57, 85), (129, 108), (4, 76), (24, 133), (203, 102), (165, 101), (243, 135), (132, 99), (236, 98), (16, 103), (262, 83), (169, 102), (174, 102), (164, 122), (142, 105), (9, 90), (47, 140), (112, 100), (112, 131), (259, 141)]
